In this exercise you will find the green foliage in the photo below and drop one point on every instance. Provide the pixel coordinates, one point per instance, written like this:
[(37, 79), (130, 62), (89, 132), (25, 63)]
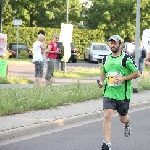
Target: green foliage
[(4, 80), (20, 100), (15, 80), (81, 37), (41, 13), (79, 73), (116, 16), (16, 100), (23, 54)]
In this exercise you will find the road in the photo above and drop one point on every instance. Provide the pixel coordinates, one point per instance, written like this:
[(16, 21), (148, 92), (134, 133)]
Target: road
[(27, 70), (88, 136)]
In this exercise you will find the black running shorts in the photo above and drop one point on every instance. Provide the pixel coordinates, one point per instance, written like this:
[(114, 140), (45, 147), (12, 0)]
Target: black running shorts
[(122, 106)]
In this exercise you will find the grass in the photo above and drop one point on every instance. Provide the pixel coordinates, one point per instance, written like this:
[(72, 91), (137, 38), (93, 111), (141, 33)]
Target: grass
[(20, 100), (15, 80), (80, 72), (14, 60), (76, 73)]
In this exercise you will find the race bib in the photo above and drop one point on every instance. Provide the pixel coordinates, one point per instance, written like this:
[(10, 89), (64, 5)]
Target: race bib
[(112, 77)]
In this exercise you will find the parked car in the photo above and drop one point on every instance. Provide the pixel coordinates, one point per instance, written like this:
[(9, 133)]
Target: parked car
[(12, 47), (73, 56), (96, 51)]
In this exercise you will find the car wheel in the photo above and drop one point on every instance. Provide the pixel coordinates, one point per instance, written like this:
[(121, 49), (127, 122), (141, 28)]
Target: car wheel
[(84, 57), (89, 59), (74, 60)]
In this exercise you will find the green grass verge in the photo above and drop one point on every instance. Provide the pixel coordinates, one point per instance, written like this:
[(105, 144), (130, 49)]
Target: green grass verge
[(15, 80), (20, 100), (79, 72)]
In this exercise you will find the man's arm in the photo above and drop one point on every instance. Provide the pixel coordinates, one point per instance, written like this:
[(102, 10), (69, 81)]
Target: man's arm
[(121, 79), (133, 75), (49, 50), (43, 47), (102, 78), (147, 63)]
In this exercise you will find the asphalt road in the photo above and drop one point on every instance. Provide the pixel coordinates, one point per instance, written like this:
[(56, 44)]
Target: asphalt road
[(27, 70), (89, 136)]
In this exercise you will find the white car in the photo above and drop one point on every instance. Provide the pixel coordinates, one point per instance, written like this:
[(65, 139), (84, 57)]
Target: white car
[(96, 51)]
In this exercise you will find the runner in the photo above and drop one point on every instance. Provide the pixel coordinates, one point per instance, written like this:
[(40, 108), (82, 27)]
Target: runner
[(117, 72)]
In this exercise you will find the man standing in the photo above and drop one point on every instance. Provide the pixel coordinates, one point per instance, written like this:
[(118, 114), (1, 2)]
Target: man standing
[(38, 49), (43, 54), (130, 48), (52, 52), (147, 59), (117, 72)]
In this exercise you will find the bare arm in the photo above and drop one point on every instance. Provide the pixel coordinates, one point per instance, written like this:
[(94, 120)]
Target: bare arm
[(43, 47), (132, 76), (50, 51), (147, 63), (121, 79), (102, 78)]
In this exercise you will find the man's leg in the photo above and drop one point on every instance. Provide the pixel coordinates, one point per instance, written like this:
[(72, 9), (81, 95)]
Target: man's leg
[(36, 73), (36, 81), (123, 108), (47, 76), (40, 73), (125, 119), (40, 81), (108, 114)]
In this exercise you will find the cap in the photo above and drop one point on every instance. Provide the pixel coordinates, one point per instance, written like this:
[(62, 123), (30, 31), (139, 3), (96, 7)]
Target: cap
[(116, 38)]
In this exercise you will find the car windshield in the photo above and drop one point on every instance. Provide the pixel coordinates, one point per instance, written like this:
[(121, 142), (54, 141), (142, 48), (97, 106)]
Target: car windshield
[(100, 47), (19, 46)]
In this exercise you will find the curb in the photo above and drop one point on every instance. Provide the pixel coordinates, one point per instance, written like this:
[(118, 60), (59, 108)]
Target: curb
[(54, 124)]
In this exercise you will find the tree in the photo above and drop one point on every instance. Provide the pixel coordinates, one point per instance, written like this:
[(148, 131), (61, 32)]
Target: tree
[(42, 13), (7, 13), (116, 16)]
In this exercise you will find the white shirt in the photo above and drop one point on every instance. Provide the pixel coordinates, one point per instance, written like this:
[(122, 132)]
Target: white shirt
[(130, 48), (37, 55)]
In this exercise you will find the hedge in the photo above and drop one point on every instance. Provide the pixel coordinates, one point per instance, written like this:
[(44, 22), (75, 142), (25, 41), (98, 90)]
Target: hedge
[(81, 37)]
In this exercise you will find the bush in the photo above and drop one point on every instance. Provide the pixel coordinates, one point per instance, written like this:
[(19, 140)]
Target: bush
[(23, 54), (4, 80), (80, 37)]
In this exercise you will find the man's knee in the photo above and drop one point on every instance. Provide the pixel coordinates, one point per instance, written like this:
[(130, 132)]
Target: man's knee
[(124, 119), (108, 113)]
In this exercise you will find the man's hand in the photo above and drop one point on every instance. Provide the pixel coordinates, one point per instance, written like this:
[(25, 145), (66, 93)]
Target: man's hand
[(100, 84), (119, 80)]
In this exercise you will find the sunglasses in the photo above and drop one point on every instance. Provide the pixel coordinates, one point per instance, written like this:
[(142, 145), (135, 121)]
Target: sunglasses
[(113, 42), (57, 37)]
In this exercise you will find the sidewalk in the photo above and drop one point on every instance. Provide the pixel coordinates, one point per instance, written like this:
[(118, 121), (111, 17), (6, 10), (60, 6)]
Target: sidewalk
[(42, 120)]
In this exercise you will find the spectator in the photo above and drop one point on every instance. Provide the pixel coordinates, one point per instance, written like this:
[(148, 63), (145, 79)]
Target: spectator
[(52, 52), (142, 56), (41, 32), (130, 48), (38, 49), (43, 54)]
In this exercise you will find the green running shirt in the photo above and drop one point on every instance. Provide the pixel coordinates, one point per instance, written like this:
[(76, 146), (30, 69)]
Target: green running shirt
[(122, 65)]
